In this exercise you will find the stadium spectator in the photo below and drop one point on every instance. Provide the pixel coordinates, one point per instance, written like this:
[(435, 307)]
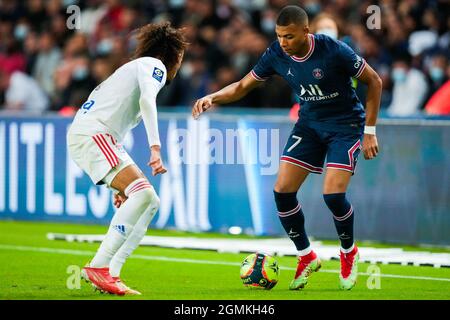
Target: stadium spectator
[(102, 68), (436, 72), (325, 24), (444, 39), (22, 92), (47, 60), (12, 58), (31, 50), (91, 15), (74, 80), (410, 88), (195, 77)]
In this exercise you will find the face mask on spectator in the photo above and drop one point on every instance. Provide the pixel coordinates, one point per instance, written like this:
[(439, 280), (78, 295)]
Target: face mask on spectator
[(20, 31), (312, 8), (176, 3), (105, 47), (186, 70), (69, 2), (332, 33), (268, 25), (399, 75), (80, 73), (436, 74)]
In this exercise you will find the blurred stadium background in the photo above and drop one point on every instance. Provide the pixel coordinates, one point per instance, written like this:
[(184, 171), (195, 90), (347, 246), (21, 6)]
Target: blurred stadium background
[(47, 71)]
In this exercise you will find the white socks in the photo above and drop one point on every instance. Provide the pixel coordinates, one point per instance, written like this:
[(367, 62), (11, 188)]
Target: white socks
[(304, 252), (348, 250), (133, 240), (141, 206)]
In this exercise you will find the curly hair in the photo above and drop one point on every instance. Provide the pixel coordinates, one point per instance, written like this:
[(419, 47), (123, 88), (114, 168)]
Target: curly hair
[(162, 41)]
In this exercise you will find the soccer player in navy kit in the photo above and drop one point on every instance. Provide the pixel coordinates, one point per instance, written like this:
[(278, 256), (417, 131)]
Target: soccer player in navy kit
[(332, 124)]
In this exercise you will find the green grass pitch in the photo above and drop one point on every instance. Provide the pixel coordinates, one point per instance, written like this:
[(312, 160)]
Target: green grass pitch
[(32, 267)]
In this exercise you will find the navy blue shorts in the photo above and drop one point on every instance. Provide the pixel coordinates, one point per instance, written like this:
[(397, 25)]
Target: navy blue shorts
[(308, 147)]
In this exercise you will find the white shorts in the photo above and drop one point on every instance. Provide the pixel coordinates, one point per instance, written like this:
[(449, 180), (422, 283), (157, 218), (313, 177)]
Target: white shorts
[(99, 155)]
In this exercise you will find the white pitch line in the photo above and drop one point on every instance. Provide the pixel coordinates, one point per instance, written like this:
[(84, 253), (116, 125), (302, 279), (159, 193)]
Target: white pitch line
[(170, 259)]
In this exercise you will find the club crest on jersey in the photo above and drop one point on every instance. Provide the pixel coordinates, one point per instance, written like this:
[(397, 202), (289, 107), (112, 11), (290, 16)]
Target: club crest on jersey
[(158, 74), (317, 73)]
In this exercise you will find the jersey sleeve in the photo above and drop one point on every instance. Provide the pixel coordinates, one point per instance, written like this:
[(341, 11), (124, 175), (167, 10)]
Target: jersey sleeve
[(151, 76), (351, 63), (263, 69)]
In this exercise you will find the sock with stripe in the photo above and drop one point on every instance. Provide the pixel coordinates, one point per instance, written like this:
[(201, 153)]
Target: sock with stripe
[(134, 239), (293, 220), (141, 199), (343, 217)]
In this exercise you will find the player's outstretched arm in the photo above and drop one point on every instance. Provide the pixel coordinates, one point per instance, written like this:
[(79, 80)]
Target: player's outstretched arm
[(374, 87), (230, 93)]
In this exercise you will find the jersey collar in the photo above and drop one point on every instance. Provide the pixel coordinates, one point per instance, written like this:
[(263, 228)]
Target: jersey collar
[(310, 52)]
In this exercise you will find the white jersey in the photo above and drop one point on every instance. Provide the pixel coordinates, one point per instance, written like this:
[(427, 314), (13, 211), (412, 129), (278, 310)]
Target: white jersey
[(120, 102)]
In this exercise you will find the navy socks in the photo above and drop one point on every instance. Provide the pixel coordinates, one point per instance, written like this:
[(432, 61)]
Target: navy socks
[(343, 217), (292, 218)]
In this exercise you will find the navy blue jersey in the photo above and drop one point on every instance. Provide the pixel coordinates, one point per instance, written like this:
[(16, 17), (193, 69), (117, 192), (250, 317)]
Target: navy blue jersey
[(321, 80)]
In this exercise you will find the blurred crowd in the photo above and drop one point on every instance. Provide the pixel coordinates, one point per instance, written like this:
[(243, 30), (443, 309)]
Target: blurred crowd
[(47, 64)]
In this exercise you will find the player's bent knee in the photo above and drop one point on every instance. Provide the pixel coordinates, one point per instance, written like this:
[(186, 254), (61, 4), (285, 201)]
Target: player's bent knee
[(284, 188), (150, 198), (335, 187), (147, 194)]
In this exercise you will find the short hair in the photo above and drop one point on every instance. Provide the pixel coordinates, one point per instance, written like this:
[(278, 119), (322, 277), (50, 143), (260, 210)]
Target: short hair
[(162, 41), (292, 15)]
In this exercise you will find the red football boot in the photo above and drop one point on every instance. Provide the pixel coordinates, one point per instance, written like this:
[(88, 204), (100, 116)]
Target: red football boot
[(126, 288), (306, 265), (102, 280), (349, 269)]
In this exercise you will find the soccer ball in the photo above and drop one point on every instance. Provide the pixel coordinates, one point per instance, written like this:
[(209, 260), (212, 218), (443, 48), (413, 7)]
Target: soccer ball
[(259, 270)]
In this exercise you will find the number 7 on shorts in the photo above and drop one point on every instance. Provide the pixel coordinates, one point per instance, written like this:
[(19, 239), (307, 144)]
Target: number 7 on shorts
[(295, 143)]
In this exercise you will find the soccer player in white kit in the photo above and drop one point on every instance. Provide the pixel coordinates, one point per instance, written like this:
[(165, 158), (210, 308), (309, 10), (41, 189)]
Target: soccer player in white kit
[(112, 109)]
